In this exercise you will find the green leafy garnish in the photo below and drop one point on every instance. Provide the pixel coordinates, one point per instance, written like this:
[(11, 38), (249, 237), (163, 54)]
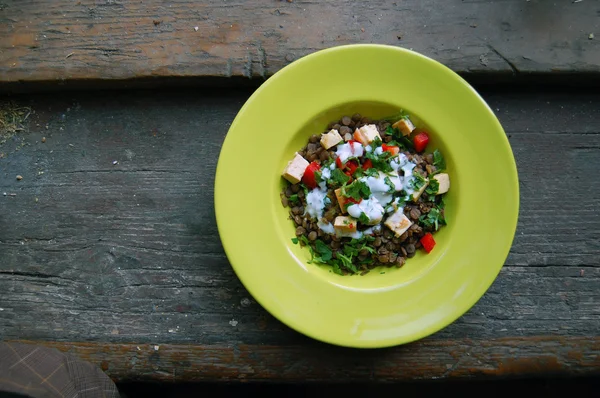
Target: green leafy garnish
[(394, 118), (323, 250), (418, 181), (432, 188), (380, 162), (434, 219), (338, 178), (295, 241), (372, 172), (318, 176), (400, 140), (438, 161), (347, 262), (389, 183), (337, 269), (363, 218), (357, 190), (294, 198), (359, 172)]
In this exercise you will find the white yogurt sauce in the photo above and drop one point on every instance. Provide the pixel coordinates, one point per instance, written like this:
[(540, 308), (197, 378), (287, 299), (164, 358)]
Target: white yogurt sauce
[(348, 150), (315, 202), (379, 189), (370, 207), (326, 227)]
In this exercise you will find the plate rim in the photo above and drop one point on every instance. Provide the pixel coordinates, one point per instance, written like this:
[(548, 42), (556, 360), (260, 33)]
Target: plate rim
[(384, 342)]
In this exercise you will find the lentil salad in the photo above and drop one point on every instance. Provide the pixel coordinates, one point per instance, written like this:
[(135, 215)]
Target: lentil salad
[(364, 194)]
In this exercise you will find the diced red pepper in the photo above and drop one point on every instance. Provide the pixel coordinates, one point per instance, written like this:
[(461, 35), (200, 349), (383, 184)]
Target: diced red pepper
[(351, 165), (367, 164), (394, 150), (339, 163), (428, 242), (420, 141), (309, 179)]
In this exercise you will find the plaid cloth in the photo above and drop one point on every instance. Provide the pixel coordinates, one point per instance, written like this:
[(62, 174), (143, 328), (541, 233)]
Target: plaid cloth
[(36, 372)]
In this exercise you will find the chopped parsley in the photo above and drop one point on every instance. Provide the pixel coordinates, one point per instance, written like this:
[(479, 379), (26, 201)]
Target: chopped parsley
[(318, 176), (323, 251), (389, 183), (394, 118), (347, 262), (400, 140), (380, 162), (433, 219), (438, 161), (294, 199), (357, 190), (338, 178), (372, 172), (363, 218), (418, 181), (432, 188)]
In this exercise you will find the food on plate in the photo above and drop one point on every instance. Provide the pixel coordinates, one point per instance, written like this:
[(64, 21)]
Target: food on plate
[(366, 193)]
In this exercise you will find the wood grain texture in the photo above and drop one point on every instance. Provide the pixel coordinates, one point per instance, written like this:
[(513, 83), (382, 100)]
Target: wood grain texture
[(112, 39), (315, 362), (129, 252)]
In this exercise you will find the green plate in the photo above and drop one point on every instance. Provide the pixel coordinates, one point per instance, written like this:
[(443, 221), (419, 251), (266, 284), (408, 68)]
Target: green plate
[(387, 306)]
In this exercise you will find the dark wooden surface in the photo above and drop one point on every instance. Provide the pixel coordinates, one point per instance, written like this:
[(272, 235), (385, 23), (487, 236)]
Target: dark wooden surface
[(101, 258), (104, 40)]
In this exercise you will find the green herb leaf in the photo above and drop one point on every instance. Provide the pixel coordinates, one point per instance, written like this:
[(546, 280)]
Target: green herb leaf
[(438, 161), (380, 162), (357, 190), (434, 219), (318, 176), (323, 251), (347, 262), (294, 198), (433, 187), (389, 183), (394, 118), (418, 181), (337, 269), (372, 172), (363, 218), (338, 178), (295, 241)]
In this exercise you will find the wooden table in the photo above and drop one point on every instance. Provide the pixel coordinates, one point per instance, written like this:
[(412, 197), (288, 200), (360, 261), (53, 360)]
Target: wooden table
[(108, 244)]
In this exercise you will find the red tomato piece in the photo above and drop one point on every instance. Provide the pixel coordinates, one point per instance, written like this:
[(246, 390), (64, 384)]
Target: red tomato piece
[(339, 163), (394, 150), (420, 141), (352, 165), (367, 164), (309, 179), (428, 242)]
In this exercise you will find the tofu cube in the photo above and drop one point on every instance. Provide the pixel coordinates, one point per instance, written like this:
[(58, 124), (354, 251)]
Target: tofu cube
[(342, 200), (405, 126), (330, 139), (366, 134), (345, 225), (417, 194), (398, 222), (443, 180), (295, 168)]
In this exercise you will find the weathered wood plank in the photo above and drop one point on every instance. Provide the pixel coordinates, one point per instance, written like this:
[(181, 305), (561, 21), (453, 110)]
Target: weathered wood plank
[(103, 40), (312, 361), (130, 253)]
